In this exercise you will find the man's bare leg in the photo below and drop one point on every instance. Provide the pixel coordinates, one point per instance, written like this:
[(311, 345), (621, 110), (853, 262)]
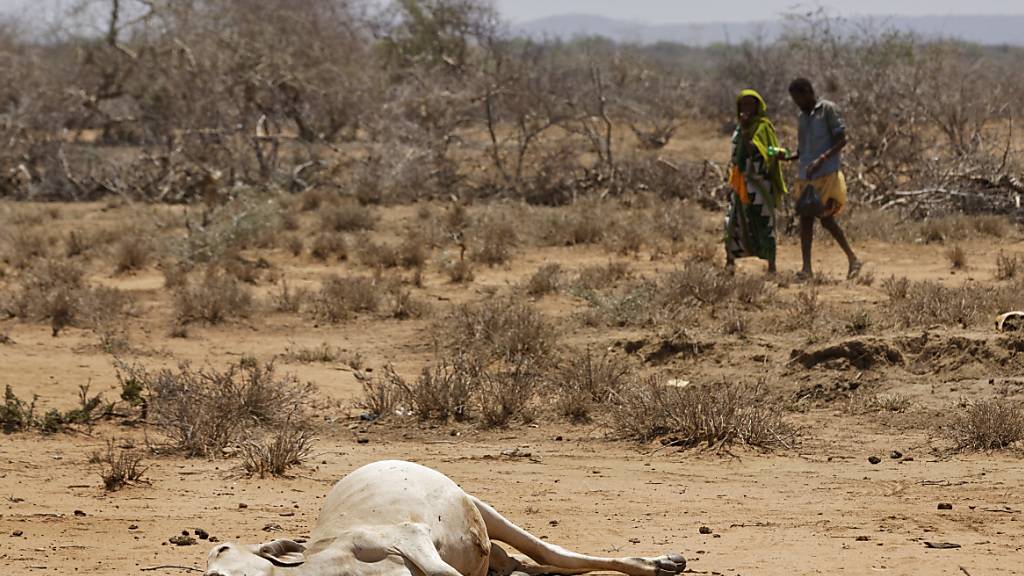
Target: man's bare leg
[(832, 226), (806, 242)]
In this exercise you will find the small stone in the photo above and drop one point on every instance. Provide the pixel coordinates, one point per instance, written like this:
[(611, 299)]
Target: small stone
[(908, 459), (183, 540), (705, 530), (272, 528), (875, 460), (896, 455), (716, 535), (363, 440), (945, 506), (242, 506), (133, 526), (202, 534), (553, 523), (17, 533), (214, 539), (558, 438), (634, 540), (863, 538), (79, 513)]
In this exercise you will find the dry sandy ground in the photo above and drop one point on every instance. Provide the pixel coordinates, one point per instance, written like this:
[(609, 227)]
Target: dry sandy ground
[(818, 509)]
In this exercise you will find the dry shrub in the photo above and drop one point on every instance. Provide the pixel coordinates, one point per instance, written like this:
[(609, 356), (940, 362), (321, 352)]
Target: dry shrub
[(340, 298), (444, 392), (637, 304), (401, 304), (859, 322), (601, 276), (382, 393), (710, 415), (374, 255), (807, 308), (288, 300), (992, 424), (507, 391), (25, 246), (16, 415), (735, 322), (704, 252), (249, 220), (957, 258), (119, 467), (278, 451), (500, 328), (751, 290), (896, 288), (214, 297), (132, 252), (414, 250), (627, 236), (1007, 267), (493, 240), (324, 353), (56, 290), (203, 411), (459, 271), (546, 280), (329, 245), (314, 198), (698, 283), (585, 381), (894, 402), (293, 244), (929, 303), (175, 273), (346, 217), (584, 222)]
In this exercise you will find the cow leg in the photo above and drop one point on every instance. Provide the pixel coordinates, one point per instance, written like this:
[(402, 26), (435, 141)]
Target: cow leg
[(557, 560), (410, 542)]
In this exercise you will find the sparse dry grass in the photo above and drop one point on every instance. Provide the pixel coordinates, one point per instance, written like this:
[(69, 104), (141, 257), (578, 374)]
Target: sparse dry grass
[(585, 381), (1007, 267), (214, 297), (957, 257), (276, 452), (119, 467), (203, 411), (993, 424), (382, 393), (493, 240), (340, 298), (499, 328), (546, 280), (346, 217), (711, 415), (328, 245)]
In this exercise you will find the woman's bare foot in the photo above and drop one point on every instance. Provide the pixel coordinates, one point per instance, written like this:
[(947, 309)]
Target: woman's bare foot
[(804, 276), (855, 267)]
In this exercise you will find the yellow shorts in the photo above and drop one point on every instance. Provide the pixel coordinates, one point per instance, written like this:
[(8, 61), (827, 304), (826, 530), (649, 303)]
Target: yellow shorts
[(830, 188)]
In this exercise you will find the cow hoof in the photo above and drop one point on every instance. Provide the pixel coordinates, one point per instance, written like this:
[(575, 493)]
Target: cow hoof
[(670, 565)]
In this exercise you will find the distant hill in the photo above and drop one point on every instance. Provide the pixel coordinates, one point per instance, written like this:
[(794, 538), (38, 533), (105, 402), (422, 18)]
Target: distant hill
[(991, 30)]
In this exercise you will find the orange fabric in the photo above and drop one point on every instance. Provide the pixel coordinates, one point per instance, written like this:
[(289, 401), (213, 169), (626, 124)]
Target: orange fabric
[(739, 184)]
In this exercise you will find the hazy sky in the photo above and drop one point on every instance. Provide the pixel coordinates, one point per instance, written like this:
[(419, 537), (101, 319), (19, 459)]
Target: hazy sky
[(676, 11)]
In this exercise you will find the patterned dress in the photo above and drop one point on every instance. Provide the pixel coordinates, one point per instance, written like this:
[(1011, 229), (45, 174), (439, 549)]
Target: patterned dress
[(750, 222)]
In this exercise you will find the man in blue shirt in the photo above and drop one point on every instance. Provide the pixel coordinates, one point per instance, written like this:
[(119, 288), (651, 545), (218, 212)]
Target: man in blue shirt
[(822, 137)]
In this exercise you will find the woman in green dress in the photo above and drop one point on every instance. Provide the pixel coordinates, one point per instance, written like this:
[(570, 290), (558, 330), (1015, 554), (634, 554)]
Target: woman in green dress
[(757, 183)]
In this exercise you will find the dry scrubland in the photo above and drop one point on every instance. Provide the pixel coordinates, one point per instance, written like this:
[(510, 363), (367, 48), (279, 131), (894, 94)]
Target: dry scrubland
[(501, 259)]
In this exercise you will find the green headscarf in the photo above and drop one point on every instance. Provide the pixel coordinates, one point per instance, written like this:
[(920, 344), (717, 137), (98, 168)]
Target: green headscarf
[(763, 136)]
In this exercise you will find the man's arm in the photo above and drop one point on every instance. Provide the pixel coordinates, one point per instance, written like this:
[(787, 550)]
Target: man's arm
[(837, 128)]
